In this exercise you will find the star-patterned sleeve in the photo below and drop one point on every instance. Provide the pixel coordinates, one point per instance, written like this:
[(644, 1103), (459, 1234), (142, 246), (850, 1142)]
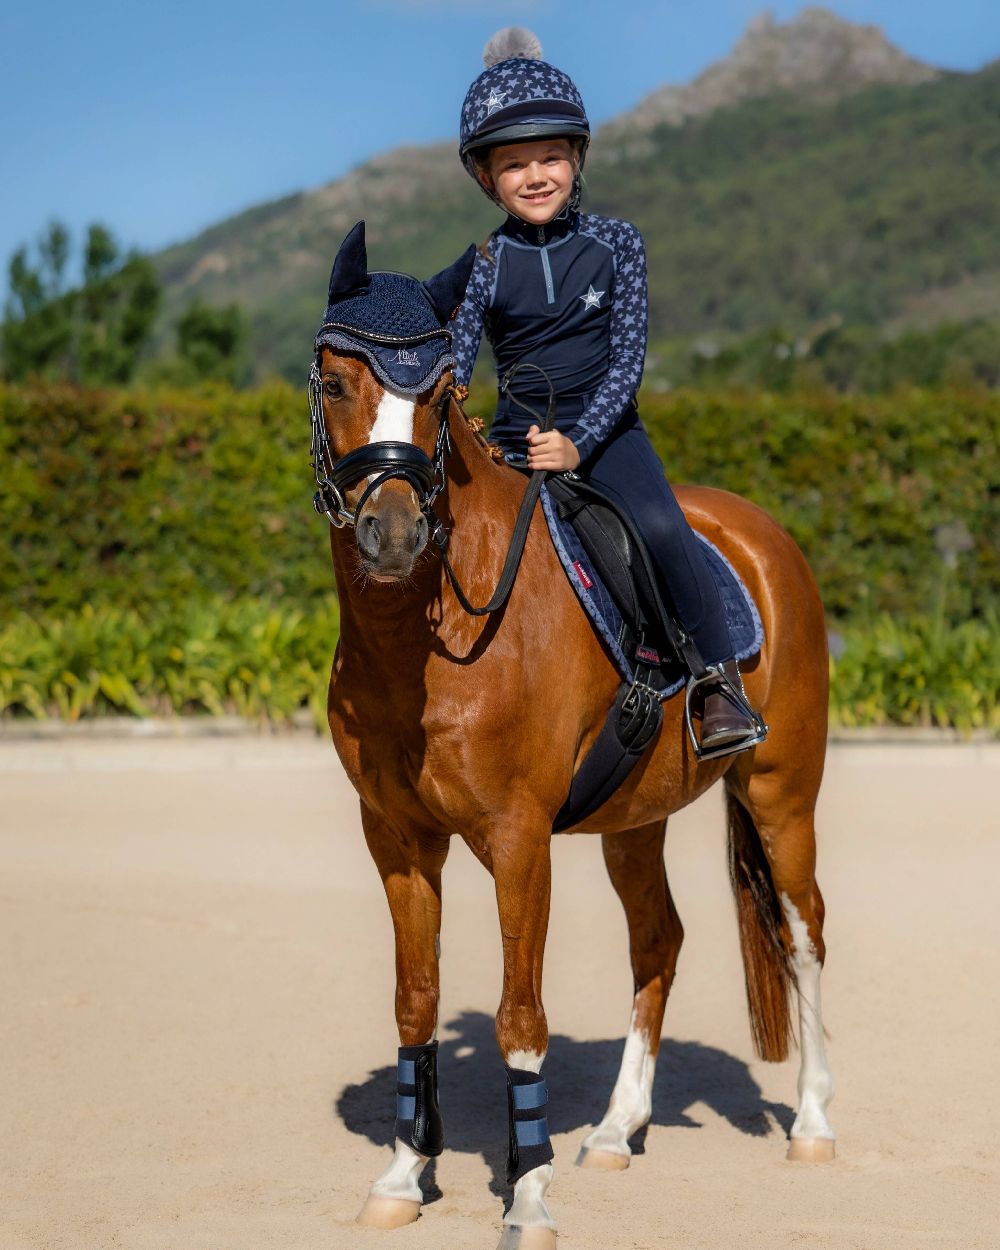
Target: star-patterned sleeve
[(628, 338), (467, 328)]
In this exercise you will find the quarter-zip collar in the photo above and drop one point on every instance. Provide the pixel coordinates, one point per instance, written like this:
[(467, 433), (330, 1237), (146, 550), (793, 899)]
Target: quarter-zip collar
[(541, 236)]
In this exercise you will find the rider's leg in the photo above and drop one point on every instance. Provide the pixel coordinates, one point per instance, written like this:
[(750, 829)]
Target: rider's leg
[(628, 467)]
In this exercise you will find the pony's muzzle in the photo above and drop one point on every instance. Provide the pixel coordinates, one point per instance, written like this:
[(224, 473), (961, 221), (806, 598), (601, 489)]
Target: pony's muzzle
[(391, 533)]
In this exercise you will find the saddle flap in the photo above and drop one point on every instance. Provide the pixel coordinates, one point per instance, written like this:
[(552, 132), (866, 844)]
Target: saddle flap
[(614, 549), (606, 542)]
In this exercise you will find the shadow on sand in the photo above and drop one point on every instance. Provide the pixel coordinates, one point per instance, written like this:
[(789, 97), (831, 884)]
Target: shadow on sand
[(580, 1077)]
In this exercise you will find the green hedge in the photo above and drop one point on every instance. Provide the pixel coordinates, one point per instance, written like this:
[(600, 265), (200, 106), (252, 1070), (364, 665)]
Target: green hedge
[(918, 672), (882, 494), (140, 497), (265, 663), (245, 657)]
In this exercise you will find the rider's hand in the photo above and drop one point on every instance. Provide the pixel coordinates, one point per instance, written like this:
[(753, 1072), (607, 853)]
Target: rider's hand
[(553, 451)]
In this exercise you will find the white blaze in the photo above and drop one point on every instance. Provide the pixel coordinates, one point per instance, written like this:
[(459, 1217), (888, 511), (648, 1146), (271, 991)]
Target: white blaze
[(394, 418)]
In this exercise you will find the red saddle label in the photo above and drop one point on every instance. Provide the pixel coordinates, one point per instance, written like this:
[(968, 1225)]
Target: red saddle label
[(581, 573), (647, 654)]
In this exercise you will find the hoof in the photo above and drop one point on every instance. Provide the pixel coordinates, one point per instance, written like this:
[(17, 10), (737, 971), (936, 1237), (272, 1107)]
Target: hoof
[(603, 1160), (811, 1150), (379, 1212), (528, 1237)]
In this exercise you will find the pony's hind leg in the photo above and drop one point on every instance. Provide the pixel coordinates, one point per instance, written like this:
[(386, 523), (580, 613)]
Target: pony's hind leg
[(772, 862), (812, 1138), (410, 869), (635, 865)]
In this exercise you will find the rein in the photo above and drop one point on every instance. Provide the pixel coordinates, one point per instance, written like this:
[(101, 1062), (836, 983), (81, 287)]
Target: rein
[(385, 461)]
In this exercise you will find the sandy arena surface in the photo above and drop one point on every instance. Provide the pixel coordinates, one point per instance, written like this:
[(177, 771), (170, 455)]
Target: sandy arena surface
[(197, 1043)]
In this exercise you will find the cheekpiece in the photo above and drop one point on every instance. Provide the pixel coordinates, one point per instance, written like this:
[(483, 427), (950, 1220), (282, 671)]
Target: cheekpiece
[(399, 324)]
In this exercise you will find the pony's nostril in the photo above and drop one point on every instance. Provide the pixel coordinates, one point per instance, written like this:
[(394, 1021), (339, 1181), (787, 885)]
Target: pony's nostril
[(369, 536), (420, 532)]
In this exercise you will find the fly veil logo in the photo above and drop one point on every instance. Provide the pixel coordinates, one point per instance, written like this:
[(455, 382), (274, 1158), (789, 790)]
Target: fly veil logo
[(404, 357)]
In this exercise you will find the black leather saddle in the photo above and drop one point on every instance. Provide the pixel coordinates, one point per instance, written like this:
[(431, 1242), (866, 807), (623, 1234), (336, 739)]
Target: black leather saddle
[(650, 632)]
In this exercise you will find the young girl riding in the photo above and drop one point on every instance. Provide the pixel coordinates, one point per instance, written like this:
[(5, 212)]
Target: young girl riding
[(566, 291)]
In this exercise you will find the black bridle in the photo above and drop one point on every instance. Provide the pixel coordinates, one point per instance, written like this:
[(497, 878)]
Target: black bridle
[(381, 461), (385, 461)]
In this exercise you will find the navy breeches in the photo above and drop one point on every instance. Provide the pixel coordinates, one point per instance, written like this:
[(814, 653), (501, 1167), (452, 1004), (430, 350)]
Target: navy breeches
[(627, 467)]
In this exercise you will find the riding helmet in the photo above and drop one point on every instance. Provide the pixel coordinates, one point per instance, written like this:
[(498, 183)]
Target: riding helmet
[(519, 96)]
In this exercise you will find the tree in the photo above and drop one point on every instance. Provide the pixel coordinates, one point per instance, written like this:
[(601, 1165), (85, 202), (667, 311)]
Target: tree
[(210, 340), (95, 333), (38, 314)]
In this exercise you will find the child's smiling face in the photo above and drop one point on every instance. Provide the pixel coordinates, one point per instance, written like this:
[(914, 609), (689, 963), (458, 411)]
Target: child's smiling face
[(533, 180)]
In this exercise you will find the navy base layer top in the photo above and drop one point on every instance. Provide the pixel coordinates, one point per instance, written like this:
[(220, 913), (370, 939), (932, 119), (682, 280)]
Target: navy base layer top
[(569, 297)]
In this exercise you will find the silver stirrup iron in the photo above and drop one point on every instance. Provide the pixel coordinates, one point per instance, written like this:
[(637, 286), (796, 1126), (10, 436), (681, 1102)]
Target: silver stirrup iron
[(738, 695)]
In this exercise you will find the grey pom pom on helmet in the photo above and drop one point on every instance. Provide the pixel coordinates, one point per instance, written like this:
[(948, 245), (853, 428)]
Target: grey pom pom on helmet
[(513, 42)]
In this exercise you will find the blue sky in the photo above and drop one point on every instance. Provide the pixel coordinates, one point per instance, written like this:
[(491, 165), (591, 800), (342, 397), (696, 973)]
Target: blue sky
[(160, 120)]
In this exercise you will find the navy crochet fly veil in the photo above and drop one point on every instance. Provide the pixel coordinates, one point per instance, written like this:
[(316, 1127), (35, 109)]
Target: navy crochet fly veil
[(399, 324)]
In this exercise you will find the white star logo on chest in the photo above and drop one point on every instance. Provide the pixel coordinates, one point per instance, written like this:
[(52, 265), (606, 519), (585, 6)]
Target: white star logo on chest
[(495, 101), (592, 299)]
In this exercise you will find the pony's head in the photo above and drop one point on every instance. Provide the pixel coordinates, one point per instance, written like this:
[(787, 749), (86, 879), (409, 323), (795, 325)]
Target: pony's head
[(383, 365)]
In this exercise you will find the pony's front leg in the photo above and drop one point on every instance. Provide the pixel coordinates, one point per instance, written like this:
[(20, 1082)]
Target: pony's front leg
[(522, 872), (410, 867)]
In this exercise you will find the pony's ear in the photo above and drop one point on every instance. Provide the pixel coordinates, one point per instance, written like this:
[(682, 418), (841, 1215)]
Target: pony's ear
[(349, 275), (447, 288)]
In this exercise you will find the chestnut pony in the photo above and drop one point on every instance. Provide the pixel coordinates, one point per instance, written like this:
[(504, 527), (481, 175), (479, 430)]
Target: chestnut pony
[(453, 724)]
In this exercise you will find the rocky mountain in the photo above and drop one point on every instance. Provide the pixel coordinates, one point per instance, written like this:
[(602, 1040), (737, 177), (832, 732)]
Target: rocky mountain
[(817, 56), (815, 171)]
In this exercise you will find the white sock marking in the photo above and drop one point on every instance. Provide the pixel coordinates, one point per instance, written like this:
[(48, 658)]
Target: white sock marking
[(400, 1179), (815, 1078), (529, 1208), (632, 1099), (526, 1060)]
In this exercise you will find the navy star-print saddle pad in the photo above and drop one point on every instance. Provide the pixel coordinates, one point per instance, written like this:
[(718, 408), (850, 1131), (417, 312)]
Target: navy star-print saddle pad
[(746, 632)]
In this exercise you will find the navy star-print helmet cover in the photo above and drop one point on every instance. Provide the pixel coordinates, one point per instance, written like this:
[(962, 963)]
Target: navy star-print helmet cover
[(399, 324), (520, 98)]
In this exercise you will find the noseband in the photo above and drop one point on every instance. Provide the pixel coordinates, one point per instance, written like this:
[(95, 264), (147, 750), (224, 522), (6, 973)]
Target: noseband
[(380, 461)]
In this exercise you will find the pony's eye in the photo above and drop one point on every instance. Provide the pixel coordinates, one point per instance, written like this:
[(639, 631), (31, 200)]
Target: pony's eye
[(332, 388)]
